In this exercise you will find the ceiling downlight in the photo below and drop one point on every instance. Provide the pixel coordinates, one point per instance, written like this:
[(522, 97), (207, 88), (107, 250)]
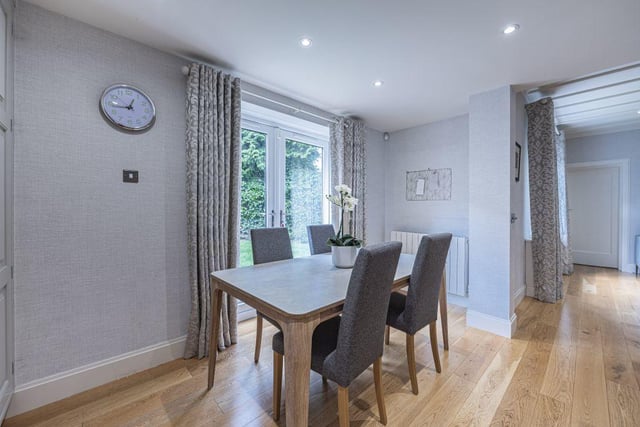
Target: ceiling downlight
[(305, 42), (511, 28)]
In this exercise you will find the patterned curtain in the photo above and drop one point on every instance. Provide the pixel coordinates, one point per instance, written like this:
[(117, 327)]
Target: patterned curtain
[(213, 191), (348, 166), (566, 254), (543, 193)]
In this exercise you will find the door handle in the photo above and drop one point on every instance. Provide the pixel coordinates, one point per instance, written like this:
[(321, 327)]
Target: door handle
[(273, 218), (514, 218)]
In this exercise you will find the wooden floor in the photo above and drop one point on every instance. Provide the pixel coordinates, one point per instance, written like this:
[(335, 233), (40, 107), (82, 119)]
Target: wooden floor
[(571, 363)]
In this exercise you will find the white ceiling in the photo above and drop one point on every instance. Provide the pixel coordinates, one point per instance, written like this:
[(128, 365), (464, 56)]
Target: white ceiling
[(602, 103), (431, 54)]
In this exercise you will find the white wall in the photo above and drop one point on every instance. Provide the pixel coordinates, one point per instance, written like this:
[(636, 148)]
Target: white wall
[(100, 266), (480, 149), (443, 144), (622, 145), (517, 254), (490, 174)]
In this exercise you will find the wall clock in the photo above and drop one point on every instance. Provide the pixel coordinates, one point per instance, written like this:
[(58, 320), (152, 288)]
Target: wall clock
[(127, 108)]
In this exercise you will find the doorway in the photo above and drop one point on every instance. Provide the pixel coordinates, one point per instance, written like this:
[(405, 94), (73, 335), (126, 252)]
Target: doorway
[(285, 175), (596, 205)]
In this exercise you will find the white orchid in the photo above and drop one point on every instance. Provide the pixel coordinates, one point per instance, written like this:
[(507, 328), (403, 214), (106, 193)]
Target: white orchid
[(333, 199), (343, 189), (347, 203)]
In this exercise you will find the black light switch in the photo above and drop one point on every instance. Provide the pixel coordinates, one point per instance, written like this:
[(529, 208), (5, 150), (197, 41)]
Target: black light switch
[(130, 176)]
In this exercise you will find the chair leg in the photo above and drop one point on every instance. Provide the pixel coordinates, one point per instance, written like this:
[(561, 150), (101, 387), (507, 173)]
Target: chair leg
[(411, 361), (444, 319), (277, 384), (377, 378), (387, 335), (433, 334), (324, 380), (343, 406), (256, 355)]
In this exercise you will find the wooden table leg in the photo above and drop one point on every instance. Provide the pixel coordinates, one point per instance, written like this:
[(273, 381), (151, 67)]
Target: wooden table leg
[(216, 306), (443, 311), (297, 366)]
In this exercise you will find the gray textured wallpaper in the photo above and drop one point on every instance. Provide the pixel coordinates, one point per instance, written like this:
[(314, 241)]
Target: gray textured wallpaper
[(442, 144), (101, 266)]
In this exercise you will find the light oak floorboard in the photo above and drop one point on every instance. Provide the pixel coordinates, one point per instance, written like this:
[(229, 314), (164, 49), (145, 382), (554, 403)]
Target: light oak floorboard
[(481, 405), (550, 412), (576, 362), (624, 404), (559, 378), (446, 402)]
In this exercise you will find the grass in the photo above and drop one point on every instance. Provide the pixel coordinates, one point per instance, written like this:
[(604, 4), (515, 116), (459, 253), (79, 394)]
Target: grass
[(246, 258)]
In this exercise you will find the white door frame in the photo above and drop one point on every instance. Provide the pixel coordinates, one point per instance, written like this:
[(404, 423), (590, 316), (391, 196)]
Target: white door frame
[(623, 223), (6, 126)]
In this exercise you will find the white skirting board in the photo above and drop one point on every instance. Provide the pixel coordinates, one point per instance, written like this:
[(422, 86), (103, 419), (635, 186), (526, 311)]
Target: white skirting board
[(59, 386), (495, 325), (519, 296)]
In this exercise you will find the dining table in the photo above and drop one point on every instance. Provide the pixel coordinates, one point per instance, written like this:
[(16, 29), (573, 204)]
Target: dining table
[(298, 294)]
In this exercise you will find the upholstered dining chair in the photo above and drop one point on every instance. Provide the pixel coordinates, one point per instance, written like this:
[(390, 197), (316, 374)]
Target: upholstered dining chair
[(318, 236), (418, 308), (343, 347), (268, 245)]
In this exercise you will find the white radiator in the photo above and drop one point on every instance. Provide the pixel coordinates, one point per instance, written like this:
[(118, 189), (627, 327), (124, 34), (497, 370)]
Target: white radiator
[(457, 267)]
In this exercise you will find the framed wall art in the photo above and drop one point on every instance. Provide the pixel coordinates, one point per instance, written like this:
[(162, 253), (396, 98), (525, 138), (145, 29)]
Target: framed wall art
[(430, 184)]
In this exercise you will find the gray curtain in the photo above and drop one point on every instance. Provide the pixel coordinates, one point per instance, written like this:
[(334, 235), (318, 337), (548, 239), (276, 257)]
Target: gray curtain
[(213, 189), (565, 236), (348, 166), (543, 193)]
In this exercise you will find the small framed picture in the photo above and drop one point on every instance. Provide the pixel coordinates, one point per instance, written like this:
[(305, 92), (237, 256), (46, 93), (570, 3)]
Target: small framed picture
[(518, 158)]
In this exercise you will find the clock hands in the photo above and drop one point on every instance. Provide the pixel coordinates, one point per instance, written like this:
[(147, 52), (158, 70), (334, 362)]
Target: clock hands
[(128, 107)]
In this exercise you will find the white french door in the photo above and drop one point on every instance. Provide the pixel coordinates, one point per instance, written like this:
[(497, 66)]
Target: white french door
[(284, 179), (285, 175)]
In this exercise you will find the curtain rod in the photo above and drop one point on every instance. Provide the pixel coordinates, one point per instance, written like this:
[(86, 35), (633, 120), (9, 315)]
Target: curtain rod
[(185, 71)]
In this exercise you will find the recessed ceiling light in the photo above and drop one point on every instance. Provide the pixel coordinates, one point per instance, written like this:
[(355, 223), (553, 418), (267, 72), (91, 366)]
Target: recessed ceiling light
[(378, 83), (638, 111), (305, 42), (511, 28)]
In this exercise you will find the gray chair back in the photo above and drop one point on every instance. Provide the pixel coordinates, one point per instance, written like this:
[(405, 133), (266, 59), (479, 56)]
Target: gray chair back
[(318, 236), (270, 244), (361, 333), (421, 307)]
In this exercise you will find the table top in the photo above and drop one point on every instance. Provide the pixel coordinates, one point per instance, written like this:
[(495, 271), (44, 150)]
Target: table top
[(297, 287)]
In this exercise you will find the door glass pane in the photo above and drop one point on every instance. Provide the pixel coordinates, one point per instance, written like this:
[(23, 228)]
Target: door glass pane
[(253, 196), (303, 192)]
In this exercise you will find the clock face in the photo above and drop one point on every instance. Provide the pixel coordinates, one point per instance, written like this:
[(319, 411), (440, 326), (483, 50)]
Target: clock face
[(127, 108)]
